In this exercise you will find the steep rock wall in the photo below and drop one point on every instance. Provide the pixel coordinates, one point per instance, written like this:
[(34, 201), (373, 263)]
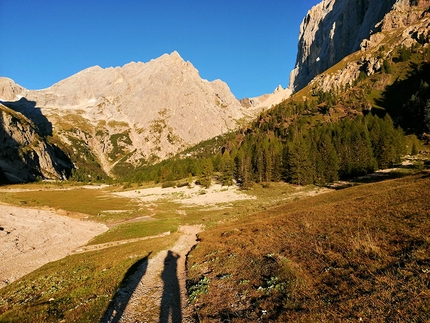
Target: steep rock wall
[(334, 29), (24, 153), (404, 25)]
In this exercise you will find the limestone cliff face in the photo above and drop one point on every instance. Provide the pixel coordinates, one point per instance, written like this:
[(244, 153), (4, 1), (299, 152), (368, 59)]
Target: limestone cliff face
[(334, 29), (9, 90), (24, 153), (404, 25), (140, 112)]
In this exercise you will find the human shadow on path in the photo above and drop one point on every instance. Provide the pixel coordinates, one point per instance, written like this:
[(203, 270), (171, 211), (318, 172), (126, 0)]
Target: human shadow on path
[(125, 291), (170, 307)]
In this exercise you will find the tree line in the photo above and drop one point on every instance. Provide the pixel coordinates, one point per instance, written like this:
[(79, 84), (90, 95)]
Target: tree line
[(296, 153)]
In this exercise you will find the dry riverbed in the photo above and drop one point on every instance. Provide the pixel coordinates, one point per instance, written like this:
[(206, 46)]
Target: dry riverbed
[(30, 238)]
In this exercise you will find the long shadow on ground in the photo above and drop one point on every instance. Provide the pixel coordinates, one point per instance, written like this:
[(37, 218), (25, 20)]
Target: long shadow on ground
[(381, 176), (170, 307), (123, 295)]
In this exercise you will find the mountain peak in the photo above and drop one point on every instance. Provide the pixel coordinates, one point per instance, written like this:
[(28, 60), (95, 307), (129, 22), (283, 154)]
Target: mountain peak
[(175, 55), (145, 111), (278, 89)]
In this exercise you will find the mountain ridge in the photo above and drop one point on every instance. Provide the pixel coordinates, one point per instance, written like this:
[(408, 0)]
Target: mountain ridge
[(135, 114)]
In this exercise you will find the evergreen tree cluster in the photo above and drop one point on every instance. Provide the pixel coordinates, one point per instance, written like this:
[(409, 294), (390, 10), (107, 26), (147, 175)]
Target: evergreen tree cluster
[(408, 99), (296, 153), (322, 154)]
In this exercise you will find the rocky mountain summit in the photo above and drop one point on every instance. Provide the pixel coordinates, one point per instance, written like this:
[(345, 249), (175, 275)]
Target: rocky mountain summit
[(333, 29), (130, 115), (267, 101)]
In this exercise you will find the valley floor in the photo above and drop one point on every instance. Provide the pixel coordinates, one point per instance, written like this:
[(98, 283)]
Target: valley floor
[(30, 238), (155, 288)]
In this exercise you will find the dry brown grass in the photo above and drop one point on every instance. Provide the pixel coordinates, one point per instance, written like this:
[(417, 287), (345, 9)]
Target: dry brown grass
[(361, 253)]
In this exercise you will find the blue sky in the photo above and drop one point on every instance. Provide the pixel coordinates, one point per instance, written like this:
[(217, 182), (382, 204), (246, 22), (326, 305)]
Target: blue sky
[(249, 44)]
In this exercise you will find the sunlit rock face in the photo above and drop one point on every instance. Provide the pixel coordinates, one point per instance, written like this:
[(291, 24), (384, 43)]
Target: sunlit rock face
[(334, 29), (137, 113)]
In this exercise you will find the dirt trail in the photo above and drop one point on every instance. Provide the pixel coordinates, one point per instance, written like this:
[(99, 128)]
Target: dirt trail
[(101, 246), (156, 291)]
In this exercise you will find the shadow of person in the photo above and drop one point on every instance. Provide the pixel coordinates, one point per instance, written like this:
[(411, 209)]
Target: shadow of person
[(170, 307), (123, 295)]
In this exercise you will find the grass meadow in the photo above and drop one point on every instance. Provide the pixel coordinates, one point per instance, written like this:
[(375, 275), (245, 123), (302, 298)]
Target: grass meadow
[(355, 254), (348, 254)]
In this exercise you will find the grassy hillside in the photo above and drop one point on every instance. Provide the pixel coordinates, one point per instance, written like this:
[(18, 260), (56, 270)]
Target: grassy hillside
[(358, 254)]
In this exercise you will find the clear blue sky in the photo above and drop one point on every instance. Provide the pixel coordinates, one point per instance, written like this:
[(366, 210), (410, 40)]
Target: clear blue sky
[(250, 44)]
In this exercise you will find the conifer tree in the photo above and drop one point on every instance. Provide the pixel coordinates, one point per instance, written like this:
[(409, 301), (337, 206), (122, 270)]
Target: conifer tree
[(327, 163), (299, 168), (363, 161), (244, 167), (227, 169), (276, 149), (205, 178)]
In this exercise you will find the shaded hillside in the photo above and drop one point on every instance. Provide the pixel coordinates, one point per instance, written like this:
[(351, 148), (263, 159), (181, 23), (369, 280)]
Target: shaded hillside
[(358, 254), (26, 154), (408, 99)]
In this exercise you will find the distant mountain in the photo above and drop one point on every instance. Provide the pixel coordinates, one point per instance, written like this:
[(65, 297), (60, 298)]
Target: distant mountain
[(267, 101), (126, 116), (333, 29)]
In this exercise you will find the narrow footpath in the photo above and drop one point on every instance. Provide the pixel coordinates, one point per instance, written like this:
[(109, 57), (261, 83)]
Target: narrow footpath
[(156, 291)]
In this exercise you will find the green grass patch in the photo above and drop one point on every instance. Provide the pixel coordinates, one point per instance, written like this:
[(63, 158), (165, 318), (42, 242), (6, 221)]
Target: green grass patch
[(80, 200), (136, 230), (77, 288)]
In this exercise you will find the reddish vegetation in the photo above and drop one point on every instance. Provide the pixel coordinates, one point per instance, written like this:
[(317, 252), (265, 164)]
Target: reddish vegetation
[(361, 253)]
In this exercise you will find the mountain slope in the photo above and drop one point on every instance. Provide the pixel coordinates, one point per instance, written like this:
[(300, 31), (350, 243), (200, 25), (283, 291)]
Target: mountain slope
[(25, 154), (308, 137), (139, 113), (334, 29)]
